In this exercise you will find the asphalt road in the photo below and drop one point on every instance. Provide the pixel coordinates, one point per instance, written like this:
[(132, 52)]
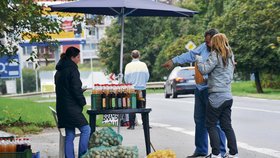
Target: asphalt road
[(255, 121)]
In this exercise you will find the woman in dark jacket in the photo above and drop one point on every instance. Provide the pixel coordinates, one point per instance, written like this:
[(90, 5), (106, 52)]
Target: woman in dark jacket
[(70, 101)]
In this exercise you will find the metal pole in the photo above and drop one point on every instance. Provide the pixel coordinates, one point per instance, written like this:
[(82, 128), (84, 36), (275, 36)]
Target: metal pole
[(21, 67), (36, 75), (121, 55), (120, 77), (91, 69)]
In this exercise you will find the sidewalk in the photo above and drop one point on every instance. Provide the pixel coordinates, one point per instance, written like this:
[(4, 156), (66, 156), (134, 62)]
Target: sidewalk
[(47, 141)]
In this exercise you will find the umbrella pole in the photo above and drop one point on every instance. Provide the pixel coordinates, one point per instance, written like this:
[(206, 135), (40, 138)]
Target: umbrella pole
[(121, 61), (121, 54)]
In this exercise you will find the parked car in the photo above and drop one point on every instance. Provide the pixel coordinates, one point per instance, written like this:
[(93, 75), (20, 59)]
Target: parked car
[(180, 81)]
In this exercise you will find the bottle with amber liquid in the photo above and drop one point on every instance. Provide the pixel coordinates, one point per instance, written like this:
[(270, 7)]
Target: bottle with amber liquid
[(119, 97), (103, 97), (113, 96)]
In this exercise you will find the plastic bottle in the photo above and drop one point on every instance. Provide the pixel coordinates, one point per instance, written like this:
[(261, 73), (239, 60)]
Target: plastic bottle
[(119, 97), (103, 96), (123, 94), (127, 97), (133, 100), (108, 96), (113, 96), (140, 99), (2, 145), (19, 145), (96, 98)]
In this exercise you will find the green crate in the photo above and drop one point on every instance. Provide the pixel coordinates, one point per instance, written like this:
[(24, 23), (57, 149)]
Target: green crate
[(26, 154)]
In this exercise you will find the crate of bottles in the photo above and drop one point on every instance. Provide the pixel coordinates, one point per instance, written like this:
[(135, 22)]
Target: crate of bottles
[(115, 96), (15, 148)]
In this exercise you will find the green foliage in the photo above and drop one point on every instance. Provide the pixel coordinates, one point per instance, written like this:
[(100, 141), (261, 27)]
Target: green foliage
[(29, 81), (174, 49), (22, 19), (253, 27), (150, 35), (270, 81)]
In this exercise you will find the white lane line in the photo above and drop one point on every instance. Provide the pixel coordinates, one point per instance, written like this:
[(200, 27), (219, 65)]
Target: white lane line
[(254, 109), (171, 100), (265, 151), (235, 107)]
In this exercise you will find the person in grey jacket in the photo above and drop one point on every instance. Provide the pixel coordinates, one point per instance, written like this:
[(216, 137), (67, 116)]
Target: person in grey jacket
[(219, 67)]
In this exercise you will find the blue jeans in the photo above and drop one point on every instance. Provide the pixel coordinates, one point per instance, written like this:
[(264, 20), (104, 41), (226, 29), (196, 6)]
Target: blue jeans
[(83, 143), (201, 134)]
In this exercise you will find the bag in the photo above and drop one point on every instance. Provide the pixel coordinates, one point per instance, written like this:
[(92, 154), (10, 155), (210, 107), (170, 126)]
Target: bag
[(198, 76)]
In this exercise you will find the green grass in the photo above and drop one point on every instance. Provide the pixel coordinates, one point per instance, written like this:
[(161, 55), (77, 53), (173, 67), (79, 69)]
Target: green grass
[(24, 115), (248, 89)]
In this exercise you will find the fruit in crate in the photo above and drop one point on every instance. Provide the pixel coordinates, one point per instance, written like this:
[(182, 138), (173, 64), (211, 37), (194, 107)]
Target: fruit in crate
[(162, 154), (105, 137)]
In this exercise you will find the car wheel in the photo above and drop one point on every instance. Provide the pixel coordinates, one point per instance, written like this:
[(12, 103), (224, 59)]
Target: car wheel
[(174, 94), (166, 95)]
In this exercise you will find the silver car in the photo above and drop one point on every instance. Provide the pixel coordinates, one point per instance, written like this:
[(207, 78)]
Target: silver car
[(180, 81)]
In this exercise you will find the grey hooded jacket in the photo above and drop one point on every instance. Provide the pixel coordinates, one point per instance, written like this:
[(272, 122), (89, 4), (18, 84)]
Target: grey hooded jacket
[(219, 76)]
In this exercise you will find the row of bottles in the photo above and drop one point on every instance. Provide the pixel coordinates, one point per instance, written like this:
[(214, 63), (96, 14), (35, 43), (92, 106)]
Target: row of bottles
[(114, 96), (14, 145)]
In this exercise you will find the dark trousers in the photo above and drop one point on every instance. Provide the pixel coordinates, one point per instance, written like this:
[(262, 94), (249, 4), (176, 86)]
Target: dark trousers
[(132, 116), (201, 135), (222, 115)]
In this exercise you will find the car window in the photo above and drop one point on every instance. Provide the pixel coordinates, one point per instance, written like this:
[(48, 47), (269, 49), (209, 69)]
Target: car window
[(185, 73)]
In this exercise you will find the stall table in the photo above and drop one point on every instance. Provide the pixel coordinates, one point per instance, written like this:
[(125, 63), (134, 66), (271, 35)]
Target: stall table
[(145, 118)]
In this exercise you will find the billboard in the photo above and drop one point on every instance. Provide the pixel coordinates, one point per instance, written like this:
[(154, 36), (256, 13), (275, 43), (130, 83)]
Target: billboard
[(9, 67)]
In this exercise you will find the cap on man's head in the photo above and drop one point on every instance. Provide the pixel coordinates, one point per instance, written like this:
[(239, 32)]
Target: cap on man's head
[(135, 54)]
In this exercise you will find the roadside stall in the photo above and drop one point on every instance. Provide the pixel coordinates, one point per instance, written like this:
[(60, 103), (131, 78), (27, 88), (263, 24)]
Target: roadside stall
[(119, 99)]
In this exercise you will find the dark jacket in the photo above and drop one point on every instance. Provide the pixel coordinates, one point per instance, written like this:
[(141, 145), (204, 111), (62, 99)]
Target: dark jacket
[(69, 95)]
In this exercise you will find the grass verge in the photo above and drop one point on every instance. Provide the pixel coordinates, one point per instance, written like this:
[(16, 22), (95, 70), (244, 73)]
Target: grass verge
[(22, 116), (248, 89)]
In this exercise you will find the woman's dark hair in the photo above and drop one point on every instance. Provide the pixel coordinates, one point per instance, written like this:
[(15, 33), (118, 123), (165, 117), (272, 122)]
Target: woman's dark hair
[(70, 52)]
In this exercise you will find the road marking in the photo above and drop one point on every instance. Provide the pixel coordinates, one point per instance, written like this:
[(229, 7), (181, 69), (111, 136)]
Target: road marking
[(235, 107), (171, 100), (270, 152), (265, 151), (254, 109)]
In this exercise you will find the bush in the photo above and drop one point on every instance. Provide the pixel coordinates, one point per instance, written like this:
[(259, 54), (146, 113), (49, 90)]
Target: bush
[(29, 81), (270, 81)]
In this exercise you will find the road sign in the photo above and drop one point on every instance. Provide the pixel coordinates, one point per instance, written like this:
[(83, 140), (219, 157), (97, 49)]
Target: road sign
[(190, 46), (9, 67)]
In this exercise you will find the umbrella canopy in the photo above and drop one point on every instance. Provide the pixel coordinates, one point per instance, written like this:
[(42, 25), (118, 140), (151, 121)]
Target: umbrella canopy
[(123, 8), (129, 8)]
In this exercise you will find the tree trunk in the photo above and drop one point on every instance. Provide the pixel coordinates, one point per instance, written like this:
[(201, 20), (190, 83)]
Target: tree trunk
[(258, 82)]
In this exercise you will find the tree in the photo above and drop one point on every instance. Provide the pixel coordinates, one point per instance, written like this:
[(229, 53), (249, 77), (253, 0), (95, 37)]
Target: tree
[(149, 35), (253, 27), (24, 19), (173, 49)]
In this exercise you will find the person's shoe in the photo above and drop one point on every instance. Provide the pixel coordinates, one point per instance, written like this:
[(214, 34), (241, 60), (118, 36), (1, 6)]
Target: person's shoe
[(131, 127), (213, 156), (196, 155), (230, 156)]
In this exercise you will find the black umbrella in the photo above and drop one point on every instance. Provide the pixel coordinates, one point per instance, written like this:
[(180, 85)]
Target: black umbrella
[(123, 8)]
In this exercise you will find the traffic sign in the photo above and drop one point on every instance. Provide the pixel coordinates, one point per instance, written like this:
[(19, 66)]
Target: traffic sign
[(9, 67), (190, 46)]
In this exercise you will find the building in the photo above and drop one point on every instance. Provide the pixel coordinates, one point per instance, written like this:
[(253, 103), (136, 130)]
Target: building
[(80, 35)]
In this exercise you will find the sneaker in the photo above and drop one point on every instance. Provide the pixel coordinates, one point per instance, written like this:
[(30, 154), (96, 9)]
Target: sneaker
[(213, 156), (196, 155), (230, 156)]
